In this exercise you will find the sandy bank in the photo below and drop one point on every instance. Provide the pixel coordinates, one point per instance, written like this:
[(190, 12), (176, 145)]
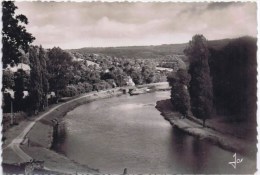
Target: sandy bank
[(193, 127)]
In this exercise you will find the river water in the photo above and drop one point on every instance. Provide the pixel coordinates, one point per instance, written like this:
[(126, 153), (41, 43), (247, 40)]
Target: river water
[(128, 132)]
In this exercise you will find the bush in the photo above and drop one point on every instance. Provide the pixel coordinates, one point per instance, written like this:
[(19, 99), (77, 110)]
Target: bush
[(80, 88), (69, 91), (111, 82), (101, 86), (88, 87)]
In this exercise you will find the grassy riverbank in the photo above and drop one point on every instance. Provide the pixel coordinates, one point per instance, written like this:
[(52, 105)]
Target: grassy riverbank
[(217, 134), (41, 134)]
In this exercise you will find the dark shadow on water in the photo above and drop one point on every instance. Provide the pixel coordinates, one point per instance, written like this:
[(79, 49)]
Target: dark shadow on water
[(189, 151), (59, 138)]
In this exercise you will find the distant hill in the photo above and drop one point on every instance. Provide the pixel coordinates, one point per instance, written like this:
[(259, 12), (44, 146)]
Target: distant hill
[(146, 52)]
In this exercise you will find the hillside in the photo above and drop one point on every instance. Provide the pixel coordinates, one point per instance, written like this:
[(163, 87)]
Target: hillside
[(145, 52)]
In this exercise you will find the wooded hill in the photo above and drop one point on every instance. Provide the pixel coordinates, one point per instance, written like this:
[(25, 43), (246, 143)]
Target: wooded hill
[(232, 65), (145, 52)]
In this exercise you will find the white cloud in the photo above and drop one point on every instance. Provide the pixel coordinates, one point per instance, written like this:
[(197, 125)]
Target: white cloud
[(73, 25)]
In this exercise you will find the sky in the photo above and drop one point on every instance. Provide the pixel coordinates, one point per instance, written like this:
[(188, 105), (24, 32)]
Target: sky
[(72, 25)]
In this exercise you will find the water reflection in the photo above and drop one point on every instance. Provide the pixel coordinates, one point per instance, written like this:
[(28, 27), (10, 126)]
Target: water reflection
[(128, 132)]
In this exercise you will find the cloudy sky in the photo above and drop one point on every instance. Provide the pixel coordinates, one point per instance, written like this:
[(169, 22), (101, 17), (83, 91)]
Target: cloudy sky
[(96, 24)]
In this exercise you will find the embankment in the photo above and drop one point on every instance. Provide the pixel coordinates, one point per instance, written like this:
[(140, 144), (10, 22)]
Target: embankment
[(41, 135), (193, 127), (39, 138)]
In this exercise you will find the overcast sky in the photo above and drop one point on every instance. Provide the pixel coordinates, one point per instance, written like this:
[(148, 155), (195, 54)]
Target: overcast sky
[(96, 24)]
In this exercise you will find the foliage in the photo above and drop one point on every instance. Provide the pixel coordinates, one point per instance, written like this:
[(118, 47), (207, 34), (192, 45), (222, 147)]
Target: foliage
[(20, 85), (69, 91), (36, 89), (234, 74), (180, 97), (88, 87), (14, 34), (59, 67), (102, 85), (6, 104), (44, 76), (8, 79), (200, 85)]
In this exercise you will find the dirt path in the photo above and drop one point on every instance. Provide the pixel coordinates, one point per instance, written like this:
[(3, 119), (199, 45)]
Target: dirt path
[(15, 144), (225, 141)]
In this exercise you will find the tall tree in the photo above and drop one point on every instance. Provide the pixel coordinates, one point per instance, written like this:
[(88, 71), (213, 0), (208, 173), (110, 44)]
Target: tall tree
[(180, 97), (36, 89), (59, 68), (14, 34), (200, 85), (44, 76), (20, 85)]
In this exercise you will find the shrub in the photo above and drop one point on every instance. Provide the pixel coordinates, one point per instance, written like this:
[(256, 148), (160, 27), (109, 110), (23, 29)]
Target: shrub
[(101, 86), (88, 87), (69, 91), (80, 88)]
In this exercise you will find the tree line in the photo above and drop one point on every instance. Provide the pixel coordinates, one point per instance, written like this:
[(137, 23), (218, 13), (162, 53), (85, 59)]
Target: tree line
[(55, 73), (221, 81)]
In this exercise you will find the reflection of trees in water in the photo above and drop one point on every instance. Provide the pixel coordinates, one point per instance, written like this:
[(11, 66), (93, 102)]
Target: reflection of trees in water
[(200, 153), (59, 137), (189, 151)]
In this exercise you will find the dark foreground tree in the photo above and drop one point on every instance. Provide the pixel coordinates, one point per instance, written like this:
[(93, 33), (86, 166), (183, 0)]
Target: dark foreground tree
[(234, 77), (14, 34), (180, 97), (200, 85)]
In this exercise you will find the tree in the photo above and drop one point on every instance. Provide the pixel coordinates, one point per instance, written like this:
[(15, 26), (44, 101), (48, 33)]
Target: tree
[(44, 76), (14, 34), (234, 77), (36, 89), (8, 79), (180, 97), (20, 85), (136, 76), (59, 69), (200, 85)]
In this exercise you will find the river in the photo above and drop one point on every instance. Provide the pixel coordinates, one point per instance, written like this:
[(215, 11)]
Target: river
[(128, 132)]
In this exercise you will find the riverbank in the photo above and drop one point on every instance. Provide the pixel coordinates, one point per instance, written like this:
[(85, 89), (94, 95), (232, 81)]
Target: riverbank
[(40, 134), (150, 88), (215, 135)]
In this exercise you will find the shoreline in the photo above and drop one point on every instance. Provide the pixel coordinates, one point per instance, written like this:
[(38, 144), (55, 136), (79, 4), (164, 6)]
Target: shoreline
[(193, 127), (41, 134)]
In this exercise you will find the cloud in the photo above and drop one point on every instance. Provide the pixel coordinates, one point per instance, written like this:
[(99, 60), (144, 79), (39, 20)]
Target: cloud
[(72, 25)]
